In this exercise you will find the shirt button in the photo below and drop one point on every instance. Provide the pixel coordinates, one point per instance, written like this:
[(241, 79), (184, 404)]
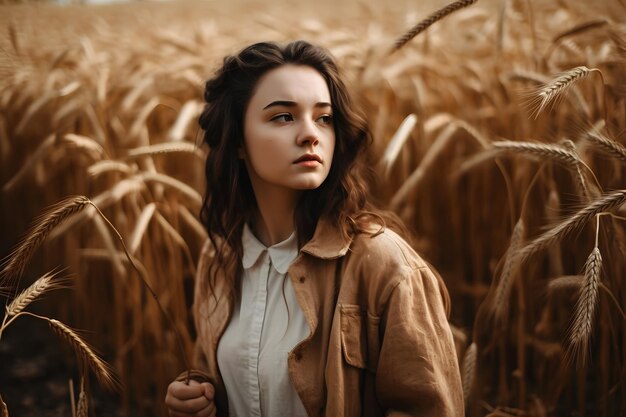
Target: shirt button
[(302, 279)]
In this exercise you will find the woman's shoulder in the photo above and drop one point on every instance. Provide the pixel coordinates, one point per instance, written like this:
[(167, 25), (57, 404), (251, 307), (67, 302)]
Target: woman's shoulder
[(381, 246), (385, 260)]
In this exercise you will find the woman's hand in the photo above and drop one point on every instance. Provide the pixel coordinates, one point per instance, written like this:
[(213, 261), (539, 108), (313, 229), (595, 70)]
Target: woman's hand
[(193, 400)]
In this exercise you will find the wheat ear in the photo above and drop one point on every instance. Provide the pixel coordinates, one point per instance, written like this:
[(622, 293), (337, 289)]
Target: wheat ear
[(430, 20), (604, 203), (167, 147), (82, 408), (553, 89), (15, 263), (83, 350), (503, 290), (582, 323), (43, 284), (565, 281), (607, 145), (469, 371), (541, 150), (87, 144)]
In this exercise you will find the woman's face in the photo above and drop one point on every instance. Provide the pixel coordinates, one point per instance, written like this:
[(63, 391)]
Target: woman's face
[(289, 137)]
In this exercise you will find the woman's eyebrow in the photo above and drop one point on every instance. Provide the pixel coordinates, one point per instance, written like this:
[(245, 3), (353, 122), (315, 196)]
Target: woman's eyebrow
[(286, 103)]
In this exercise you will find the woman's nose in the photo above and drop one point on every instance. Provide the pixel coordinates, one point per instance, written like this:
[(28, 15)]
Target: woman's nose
[(308, 134)]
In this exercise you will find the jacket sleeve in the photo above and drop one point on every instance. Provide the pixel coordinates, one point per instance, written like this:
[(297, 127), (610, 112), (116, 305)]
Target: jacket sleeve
[(418, 372)]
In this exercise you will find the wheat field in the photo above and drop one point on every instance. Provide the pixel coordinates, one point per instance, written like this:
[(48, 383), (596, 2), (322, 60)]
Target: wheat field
[(498, 132)]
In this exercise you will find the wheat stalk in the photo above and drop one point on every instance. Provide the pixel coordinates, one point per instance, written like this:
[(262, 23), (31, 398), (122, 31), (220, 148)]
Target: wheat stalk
[(581, 27), (468, 371), (4, 411), (15, 262), (144, 280), (37, 288), (582, 324), (503, 290), (427, 160), (578, 175), (430, 20), (188, 112), (102, 167), (40, 153), (171, 182), (141, 227), (397, 142), (142, 116), (602, 204)]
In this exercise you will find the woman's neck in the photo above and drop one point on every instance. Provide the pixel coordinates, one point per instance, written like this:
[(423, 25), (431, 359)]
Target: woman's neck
[(274, 220)]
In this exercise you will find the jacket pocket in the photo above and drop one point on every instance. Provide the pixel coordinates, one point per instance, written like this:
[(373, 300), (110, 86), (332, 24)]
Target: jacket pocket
[(359, 337)]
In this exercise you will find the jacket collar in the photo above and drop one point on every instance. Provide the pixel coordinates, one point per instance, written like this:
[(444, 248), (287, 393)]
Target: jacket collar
[(327, 241)]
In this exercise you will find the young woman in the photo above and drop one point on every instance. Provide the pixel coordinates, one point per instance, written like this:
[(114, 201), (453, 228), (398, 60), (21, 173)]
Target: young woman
[(306, 302)]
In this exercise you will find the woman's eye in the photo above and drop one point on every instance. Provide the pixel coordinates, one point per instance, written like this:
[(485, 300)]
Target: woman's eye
[(326, 119), (282, 118)]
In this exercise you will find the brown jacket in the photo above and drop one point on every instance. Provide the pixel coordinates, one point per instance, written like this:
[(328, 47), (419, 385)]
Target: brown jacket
[(379, 341)]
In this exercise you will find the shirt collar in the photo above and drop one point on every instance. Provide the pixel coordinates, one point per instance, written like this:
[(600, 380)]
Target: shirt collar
[(281, 254), (327, 241)]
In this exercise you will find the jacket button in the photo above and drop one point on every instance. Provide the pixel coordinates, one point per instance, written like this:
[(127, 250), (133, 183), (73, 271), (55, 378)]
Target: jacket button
[(302, 279)]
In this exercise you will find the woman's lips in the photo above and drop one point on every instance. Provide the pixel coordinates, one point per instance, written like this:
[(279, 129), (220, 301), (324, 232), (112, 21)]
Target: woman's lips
[(309, 160)]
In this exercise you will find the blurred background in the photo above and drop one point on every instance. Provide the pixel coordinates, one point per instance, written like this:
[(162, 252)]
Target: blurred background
[(497, 123)]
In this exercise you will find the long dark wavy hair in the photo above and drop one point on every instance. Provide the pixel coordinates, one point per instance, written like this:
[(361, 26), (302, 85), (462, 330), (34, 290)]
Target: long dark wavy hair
[(229, 200)]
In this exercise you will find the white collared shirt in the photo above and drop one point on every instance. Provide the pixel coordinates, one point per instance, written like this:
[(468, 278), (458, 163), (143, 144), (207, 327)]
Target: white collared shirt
[(263, 329)]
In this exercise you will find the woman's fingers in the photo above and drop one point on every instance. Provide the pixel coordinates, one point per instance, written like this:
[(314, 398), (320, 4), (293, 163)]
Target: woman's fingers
[(192, 405), (209, 411), (192, 398), (209, 390), (183, 391)]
